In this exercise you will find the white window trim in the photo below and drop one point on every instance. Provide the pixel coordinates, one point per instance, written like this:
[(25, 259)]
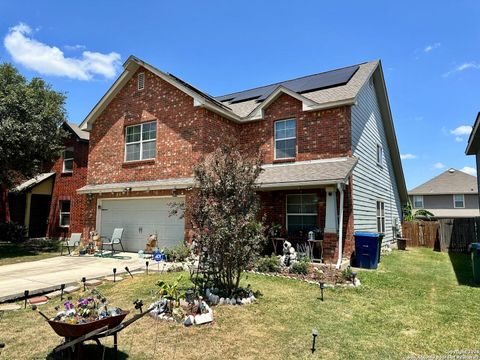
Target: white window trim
[(463, 201), (141, 141), (287, 138), (138, 81), (377, 153), (287, 214), (61, 213), (65, 159), (418, 207), (380, 216)]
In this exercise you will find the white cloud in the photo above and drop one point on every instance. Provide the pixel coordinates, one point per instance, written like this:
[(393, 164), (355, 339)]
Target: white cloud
[(438, 165), (460, 132), (431, 47), (408, 156), (462, 67), (50, 60), (469, 170), (75, 47)]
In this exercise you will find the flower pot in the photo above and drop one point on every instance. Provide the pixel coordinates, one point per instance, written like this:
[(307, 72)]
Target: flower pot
[(402, 244)]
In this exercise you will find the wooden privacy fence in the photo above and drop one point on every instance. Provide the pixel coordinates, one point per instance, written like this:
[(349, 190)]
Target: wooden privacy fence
[(452, 235)]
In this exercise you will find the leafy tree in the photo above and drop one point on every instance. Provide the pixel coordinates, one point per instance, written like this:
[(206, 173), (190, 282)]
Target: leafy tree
[(30, 117), (224, 214), (410, 214)]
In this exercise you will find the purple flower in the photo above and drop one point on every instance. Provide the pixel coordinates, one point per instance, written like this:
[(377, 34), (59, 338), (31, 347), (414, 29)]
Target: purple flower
[(68, 305)]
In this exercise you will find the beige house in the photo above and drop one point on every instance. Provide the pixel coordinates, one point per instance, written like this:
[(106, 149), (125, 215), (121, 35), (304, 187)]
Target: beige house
[(452, 194)]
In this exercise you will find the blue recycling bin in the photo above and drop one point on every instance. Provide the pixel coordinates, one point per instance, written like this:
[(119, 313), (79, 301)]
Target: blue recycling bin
[(367, 249)]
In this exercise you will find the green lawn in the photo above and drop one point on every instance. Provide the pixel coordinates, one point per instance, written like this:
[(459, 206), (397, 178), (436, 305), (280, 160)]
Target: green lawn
[(412, 305), (16, 253)]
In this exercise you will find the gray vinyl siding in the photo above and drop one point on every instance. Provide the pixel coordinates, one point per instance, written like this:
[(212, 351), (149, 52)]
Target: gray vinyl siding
[(372, 182), (445, 201)]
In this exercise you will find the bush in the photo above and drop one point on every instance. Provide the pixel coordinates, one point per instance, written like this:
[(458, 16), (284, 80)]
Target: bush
[(12, 232), (268, 264), (299, 267), (178, 253)]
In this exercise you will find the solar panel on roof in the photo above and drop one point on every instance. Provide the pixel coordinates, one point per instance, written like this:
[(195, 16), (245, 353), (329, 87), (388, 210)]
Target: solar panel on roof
[(301, 85)]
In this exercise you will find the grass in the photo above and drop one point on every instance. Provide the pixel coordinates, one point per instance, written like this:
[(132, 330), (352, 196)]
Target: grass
[(412, 305), (17, 253)]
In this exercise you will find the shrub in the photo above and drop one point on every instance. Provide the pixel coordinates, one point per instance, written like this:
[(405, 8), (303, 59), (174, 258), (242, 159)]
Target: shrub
[(178, 253), (299, 267), (268, 264), (12, 232)]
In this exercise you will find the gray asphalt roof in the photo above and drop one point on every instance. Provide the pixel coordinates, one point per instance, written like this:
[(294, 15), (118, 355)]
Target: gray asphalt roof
[(83, 135), (30, 183), (449, 182)]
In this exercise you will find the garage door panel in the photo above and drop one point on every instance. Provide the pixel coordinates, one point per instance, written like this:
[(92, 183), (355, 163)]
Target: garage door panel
[(140, 218)]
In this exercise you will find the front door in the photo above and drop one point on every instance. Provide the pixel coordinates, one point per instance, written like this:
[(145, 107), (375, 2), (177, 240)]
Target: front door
[(39, 210)]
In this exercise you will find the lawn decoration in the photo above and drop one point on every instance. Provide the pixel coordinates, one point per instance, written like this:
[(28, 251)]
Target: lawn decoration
[(151, 244), (289, 254), (89, 318)]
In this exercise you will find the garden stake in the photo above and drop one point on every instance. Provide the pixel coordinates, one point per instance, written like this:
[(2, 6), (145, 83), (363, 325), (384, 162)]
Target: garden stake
[(34, 307), (146, 266), (128, 271), (314, 334), (26, 297), (322, 286), (354, 275), (84, 279), (114, 273), (62, 287)]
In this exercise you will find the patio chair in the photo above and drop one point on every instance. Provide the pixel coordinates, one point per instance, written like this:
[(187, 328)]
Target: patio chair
[(114, 240), (73, 242)]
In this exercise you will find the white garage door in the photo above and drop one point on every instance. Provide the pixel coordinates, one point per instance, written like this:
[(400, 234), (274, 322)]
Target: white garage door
[(139, 218)]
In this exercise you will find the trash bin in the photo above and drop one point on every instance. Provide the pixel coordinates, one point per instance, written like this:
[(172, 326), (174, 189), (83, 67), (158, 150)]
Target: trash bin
[(475, 251), (367, 249)]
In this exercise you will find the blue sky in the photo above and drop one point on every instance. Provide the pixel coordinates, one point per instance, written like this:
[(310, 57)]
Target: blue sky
[(429, 49)]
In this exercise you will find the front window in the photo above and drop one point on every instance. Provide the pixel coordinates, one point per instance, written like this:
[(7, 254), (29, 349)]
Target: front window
[(285, 139), (381, 217), (64, 206), (68, 160), (458, 201), (301, 213), (141, 141), (418, 202)]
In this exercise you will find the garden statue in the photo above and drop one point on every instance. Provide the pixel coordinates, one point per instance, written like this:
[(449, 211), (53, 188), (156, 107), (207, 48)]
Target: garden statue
[(151, 243), (289, 254)]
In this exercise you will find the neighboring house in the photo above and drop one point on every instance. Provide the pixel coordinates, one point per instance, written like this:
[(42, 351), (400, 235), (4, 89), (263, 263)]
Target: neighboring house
[(452, 194), (473, 146), (48, 205), (329, 145)]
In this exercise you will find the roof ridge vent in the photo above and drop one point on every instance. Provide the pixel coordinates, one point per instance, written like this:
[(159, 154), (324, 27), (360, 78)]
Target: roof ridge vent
[(451, 170)]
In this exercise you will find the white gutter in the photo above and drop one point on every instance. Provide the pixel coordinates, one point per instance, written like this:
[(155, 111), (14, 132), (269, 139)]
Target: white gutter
[(340, 227)]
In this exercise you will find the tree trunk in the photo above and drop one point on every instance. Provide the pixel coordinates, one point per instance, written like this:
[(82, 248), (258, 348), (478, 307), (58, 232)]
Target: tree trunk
[(4, 207)]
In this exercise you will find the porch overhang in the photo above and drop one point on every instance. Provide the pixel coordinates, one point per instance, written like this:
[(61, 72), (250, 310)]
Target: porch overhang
[(164, 184), (306, 174)]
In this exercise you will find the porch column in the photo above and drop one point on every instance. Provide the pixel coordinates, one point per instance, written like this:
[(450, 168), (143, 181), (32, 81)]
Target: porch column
[(331, 214), (28, 203)]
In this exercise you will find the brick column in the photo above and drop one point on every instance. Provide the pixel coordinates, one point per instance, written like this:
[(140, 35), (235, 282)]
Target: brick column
[(330, 247)]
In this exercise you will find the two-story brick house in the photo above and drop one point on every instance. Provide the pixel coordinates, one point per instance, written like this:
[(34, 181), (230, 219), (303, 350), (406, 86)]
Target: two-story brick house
[(329, 145), (48, 205)]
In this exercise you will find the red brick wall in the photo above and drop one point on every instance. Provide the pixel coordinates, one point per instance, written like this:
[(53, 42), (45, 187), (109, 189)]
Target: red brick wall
[(64, 188), (320, 134)]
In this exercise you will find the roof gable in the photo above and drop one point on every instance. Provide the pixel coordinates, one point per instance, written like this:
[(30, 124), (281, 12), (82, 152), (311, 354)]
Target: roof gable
[(451, 181)]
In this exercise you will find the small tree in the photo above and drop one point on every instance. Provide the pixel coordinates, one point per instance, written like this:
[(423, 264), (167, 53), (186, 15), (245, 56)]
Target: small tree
[(30, 118), (224, 214), (409, 214)]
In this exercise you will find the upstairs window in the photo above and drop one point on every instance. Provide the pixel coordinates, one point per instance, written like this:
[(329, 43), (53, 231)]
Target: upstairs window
[(380, 154), (68, 160), (458, 201), (380, 217), (418, 201), (285, 139), (141, 81), (141, 141), (301, 213), (64, 206)]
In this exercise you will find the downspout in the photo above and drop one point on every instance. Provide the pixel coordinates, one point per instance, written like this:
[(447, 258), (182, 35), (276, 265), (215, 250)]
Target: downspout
[(340, 226)]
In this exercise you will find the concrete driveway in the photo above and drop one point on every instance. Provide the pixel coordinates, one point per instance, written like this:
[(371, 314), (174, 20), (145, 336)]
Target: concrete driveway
[(43, 275)]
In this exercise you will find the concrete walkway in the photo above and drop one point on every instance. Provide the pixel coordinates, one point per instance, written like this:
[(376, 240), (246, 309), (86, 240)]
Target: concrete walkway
[(45, 275)]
